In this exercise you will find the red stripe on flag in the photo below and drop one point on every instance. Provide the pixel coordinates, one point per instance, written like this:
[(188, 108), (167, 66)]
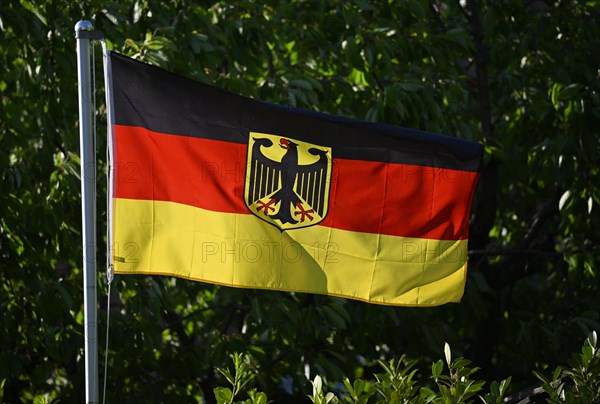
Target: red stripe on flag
[(416, 201), (205, 173)]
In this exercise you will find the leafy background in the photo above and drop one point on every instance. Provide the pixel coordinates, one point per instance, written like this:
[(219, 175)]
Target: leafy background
[(521, 77)]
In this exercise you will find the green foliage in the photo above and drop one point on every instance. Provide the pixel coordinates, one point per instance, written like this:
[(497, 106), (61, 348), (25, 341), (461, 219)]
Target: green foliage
[(520, 77), (43, 399), (396, 384), (457, 386), (359, 392), (497, 392), (238, 380), (319, 396), (581, 382), (578, 384)]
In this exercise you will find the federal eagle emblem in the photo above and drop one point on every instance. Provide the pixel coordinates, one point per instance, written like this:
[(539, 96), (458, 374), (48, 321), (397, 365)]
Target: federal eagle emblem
[(287, 181)]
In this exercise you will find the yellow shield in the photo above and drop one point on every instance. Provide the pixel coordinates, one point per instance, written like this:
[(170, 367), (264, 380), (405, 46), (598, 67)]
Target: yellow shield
[(287, 181)]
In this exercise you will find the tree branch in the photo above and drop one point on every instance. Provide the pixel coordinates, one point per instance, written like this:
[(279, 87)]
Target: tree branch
[(492, 252)]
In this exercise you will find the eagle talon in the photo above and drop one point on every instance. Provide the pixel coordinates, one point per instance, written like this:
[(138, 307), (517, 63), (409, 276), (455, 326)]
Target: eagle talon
[(304, 213), (266, 206)]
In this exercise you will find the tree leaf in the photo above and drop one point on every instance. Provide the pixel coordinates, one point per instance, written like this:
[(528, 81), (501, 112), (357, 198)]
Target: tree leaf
[(448, 354)]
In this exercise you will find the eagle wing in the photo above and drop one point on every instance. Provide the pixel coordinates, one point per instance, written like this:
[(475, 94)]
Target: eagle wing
[(264, 174), (312, 181)]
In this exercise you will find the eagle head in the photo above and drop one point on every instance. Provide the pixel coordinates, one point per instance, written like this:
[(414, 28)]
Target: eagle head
[(286, 143)]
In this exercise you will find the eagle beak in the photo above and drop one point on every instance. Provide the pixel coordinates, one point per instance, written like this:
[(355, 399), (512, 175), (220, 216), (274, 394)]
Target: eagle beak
[(284, 143)]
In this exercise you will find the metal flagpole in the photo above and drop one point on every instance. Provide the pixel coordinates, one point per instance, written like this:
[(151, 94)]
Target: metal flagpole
[(83, 34)]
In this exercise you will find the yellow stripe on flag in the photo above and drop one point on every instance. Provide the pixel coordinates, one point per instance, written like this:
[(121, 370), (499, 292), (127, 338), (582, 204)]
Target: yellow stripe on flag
[(167, 238)]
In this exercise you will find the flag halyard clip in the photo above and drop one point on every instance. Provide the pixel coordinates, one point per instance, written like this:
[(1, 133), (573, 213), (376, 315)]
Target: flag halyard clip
[(110, 274)]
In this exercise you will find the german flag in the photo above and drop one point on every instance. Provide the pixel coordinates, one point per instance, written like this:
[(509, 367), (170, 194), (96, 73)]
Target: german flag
[(215, 187)]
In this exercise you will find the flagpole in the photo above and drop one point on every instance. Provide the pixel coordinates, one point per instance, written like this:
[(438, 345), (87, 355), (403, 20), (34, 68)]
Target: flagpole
[(88, 209)]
